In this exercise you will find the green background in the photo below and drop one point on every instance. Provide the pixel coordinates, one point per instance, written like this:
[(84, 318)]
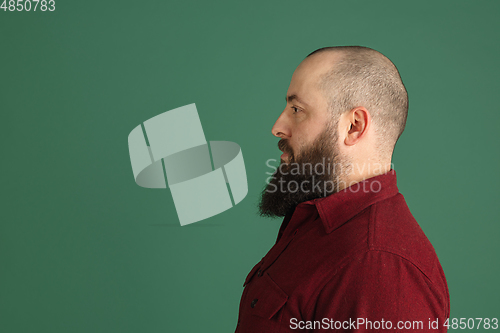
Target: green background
[(84, 249)]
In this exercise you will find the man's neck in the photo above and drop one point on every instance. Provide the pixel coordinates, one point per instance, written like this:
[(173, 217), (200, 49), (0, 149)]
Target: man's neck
[(360, 171)]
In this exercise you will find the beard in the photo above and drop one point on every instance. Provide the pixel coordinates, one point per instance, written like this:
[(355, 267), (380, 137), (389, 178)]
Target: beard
[(315, 172)]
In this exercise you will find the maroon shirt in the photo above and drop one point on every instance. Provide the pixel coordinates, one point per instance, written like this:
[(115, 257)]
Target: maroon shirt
[(355, 261)]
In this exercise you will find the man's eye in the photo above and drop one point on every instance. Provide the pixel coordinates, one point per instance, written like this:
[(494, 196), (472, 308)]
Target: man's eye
[(295, 110)]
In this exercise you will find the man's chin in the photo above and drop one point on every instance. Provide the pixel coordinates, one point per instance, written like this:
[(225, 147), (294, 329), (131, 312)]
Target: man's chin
[(279, 198), (274, 204)]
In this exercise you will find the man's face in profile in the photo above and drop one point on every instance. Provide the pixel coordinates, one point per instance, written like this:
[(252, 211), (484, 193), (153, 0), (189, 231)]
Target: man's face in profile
[(308, 135)]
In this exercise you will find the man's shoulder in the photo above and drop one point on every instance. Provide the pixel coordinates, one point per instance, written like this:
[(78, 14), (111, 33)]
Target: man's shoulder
[(385, 242), (392, 228)]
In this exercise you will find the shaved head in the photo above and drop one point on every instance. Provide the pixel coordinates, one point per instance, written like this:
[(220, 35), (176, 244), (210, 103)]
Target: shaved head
[(360, 76)]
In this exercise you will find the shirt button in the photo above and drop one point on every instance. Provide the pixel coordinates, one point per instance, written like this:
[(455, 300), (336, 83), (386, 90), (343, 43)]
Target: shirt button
[(254, 302)]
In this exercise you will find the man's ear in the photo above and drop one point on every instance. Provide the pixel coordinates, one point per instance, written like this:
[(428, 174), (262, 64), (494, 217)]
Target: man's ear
[(359, 122)]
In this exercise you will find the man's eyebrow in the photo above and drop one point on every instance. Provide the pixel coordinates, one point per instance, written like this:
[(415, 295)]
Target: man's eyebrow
[(290, 98)]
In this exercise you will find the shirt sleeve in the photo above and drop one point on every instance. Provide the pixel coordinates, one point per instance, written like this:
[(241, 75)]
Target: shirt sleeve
[(379, 291)]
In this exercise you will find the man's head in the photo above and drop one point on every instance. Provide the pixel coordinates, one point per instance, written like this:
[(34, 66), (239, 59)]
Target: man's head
[(346, 107)]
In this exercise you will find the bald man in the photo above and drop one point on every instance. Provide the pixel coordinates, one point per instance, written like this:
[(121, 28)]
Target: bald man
[(349, 255)]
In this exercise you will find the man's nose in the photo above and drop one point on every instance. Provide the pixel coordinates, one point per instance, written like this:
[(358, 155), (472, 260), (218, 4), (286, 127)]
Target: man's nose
[(281, 128)]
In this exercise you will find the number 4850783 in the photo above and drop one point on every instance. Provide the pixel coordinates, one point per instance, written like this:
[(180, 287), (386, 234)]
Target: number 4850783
[(27, 5)]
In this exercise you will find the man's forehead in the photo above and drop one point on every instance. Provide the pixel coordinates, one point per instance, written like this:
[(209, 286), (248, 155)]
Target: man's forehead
[(305, 84), (309, 72)]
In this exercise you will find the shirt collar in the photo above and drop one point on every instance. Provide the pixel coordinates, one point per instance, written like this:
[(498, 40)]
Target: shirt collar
[(338, 208)]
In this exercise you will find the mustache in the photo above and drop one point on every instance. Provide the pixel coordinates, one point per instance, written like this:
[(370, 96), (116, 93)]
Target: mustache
[(285, 147)]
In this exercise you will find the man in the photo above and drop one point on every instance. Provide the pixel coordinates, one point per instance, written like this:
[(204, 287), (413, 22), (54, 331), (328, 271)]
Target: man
[(349, 254)]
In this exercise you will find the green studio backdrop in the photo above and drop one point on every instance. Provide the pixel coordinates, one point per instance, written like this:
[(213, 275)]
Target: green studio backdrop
[(84, 249)]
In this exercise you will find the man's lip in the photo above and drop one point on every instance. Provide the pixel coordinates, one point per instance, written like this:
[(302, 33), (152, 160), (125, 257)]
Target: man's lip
[(284, 156)]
